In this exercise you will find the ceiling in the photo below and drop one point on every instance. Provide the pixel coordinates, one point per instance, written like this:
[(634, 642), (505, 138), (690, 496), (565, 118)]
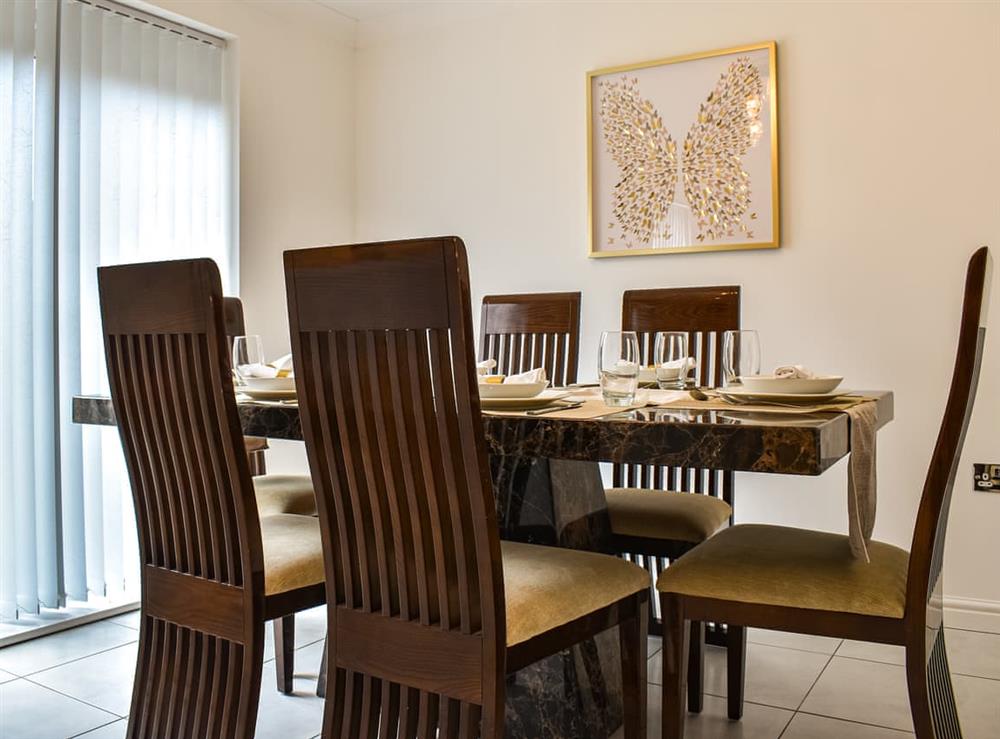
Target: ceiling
[(369, 10)]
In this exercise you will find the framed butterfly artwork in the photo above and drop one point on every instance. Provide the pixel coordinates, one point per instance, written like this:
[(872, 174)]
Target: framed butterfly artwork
[(683, 154)]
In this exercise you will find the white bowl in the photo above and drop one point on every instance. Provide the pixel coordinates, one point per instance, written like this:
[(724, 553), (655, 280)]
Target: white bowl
[(272, 384), (511, 389), (771, 384)]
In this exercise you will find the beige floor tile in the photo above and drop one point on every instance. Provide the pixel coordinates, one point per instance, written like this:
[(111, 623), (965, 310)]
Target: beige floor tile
[(300, 714), (131, 619), (103, 680), (29, 711), (653, 645), (888, 653), (775, 676), (978, 706), (857, 690), (48, 651), (974, 653), (807, 726), (116, 730), (310, 627), (806, 642), (758, 722)]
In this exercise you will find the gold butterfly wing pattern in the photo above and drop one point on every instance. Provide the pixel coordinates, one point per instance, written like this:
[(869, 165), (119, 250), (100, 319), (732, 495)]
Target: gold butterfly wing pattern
[(715, 184), (645, 155)]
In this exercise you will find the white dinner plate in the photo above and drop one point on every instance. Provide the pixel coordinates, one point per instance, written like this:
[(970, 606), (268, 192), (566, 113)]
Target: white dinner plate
[(745, 395), (257, 394), (512, 390), (788, 385), (541, 400), (270, 384)]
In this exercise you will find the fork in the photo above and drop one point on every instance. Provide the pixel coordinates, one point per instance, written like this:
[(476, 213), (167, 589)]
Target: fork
[(553, 409)]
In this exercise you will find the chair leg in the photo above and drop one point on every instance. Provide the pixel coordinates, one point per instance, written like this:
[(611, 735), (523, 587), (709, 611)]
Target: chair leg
[(736, 663), (696, 668), (284, 652), (633, 638), (257, 463), (676, 639), (655, 624), (321, 683), (932, 698)]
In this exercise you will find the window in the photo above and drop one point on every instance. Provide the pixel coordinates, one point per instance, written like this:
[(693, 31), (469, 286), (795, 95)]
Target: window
[(117, 144)]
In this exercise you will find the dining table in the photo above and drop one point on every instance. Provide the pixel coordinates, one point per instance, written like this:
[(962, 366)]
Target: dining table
[(550, 490)]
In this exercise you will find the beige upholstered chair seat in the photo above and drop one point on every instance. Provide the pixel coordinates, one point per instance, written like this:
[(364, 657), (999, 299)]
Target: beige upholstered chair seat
[(658, 514), (284, 494), (796, 568), (293, 552), (546, 587)]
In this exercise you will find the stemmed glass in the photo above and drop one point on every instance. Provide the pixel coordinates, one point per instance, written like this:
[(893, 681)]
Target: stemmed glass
[(740, 356), (248, 357), (618, 367)]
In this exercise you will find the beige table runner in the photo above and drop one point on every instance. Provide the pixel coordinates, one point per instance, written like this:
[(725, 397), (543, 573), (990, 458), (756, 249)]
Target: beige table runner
[(840, 404), (861, 478), (592, 408)]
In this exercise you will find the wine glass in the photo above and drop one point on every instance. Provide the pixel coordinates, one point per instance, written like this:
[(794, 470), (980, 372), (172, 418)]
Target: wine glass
[(670, 359), (740, 356), (618, 367), (248, 357)]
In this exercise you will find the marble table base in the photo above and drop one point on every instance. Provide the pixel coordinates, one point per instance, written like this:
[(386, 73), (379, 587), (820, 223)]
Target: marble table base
[(575, 694)]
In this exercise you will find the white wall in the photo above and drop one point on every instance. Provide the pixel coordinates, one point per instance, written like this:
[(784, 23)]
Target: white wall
[(471, 120), (297, 77)]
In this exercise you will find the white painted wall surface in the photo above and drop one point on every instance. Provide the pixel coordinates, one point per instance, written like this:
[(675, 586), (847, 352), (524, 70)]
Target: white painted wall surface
[(471, 121), (297, 77)]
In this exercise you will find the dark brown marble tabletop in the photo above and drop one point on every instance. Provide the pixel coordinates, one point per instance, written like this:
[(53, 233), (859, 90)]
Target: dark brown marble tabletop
[(797, 444)]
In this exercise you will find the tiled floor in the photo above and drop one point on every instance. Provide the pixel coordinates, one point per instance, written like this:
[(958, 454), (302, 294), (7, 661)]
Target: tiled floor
[(78, 683)]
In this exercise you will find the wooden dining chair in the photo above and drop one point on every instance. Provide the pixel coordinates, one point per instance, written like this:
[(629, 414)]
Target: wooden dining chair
[(428, 611), (659, 513), (275, 494), (523, 332), (232, 313), (808, 582), (212, 571)]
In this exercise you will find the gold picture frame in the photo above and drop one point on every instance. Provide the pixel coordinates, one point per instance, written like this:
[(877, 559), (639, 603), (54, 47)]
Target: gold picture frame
[(738, 69)]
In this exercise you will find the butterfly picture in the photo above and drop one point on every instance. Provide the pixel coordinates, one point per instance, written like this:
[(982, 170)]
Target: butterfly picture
[(685, 160)]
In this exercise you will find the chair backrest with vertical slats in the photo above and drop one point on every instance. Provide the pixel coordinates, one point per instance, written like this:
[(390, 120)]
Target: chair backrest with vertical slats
[(522, 332), (927, 550), (385, 372), (232, 315), (705, 313), (200, 542)]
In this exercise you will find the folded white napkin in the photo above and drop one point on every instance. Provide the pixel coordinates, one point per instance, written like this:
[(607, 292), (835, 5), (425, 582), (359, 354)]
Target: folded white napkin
[(682, 365), (258, 370), (793, 372), (282, 363), (531, 376), (484, 367)]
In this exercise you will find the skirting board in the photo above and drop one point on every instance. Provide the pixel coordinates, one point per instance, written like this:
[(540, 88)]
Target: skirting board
[(972, 614)]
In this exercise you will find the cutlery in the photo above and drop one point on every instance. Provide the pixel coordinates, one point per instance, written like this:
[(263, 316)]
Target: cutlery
[(747, 401), (697, 393), (553, 409)]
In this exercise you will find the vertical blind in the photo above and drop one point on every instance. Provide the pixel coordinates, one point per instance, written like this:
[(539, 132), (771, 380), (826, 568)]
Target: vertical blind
[(132, 148), (29, 501)]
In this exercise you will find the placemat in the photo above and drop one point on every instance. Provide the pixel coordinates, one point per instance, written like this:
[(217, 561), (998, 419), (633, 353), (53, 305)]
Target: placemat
[(592, 408)]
